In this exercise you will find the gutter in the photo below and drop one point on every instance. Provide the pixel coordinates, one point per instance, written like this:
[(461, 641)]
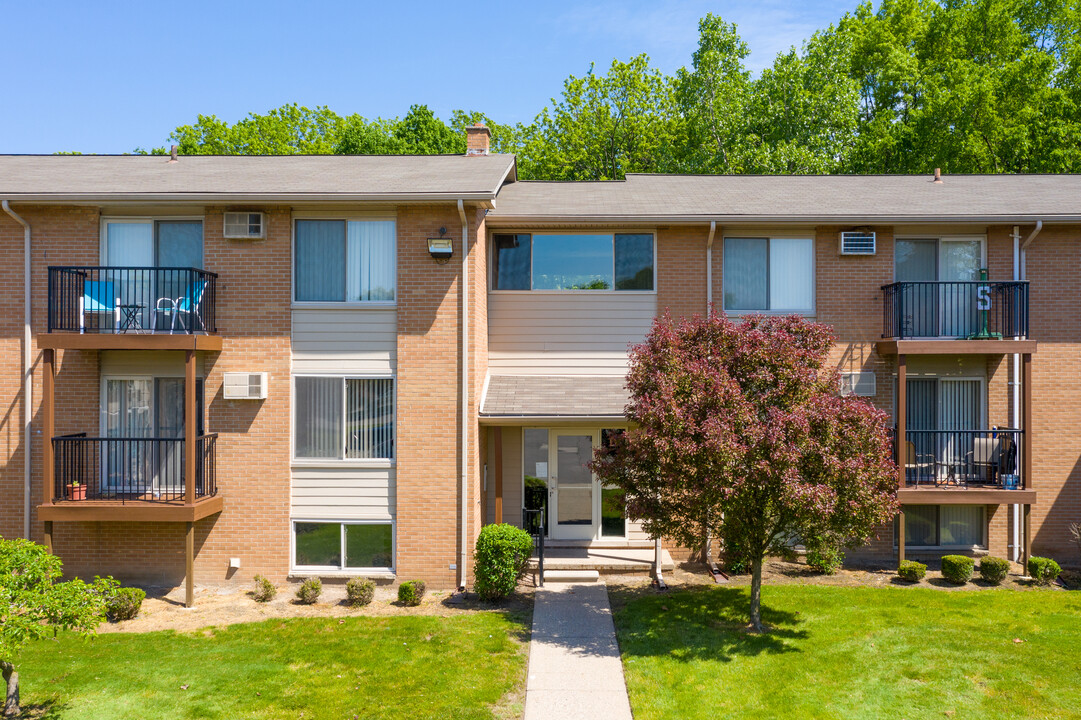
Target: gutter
[(463, 490), (28, 369), (206, 198), (494, 219)]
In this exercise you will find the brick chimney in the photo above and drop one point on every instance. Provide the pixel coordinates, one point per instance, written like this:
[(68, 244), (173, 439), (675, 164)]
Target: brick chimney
[(477, 138)]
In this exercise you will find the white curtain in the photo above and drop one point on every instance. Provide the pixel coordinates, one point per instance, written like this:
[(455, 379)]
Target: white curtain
[(746, 273), (791, 274), (370, 259)]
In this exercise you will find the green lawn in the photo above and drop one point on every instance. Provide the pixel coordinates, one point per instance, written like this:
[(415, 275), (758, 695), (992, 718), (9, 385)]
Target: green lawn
[(392, 667), (852, 653)]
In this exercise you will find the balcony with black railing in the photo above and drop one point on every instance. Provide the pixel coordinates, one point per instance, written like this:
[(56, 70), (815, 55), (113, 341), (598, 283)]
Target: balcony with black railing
[(978, 310), (984, 459), (132, 301), (132, 469)]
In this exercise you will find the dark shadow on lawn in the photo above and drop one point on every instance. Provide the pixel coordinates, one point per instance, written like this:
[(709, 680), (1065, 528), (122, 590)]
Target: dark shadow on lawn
[(703, 623), (48, 710)]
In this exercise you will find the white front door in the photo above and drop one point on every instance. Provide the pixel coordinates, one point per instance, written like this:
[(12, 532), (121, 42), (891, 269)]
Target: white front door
[(572, 486)]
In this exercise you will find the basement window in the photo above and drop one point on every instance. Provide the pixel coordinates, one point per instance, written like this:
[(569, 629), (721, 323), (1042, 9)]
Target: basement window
[(343, 545)]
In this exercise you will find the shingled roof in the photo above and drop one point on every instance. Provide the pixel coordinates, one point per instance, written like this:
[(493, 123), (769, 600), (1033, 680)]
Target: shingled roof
[(787, 198), (551, 396), (293, 178)]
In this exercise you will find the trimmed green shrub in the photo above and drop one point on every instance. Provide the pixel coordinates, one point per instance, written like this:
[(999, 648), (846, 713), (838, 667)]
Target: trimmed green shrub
[(309, 591), (824, 554), (735, 559), (501, 555), (264, 590), (124, 604), (411, 592), (957, 568), (994, 570), (1043, 570), (912, 571), (359, 591)]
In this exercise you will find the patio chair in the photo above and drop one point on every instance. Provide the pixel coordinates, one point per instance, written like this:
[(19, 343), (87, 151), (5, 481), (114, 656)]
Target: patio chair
[(99, 297), (985, 455), (187, 304), (918, 465)]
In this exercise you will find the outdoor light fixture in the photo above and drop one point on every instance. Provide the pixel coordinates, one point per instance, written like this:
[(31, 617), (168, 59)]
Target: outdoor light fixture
[(441, 248)]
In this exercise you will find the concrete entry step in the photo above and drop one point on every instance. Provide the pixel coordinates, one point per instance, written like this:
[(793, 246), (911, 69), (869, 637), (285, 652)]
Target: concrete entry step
[(606, 561), (571, 576)]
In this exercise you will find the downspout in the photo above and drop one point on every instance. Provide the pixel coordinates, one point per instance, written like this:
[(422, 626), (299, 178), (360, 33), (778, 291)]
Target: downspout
[(709, 266), (28, 369), (1020, 272), (462, 575), (707, 550)]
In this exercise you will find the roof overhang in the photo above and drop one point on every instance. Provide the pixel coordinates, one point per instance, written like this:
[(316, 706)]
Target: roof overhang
[(497, 220)]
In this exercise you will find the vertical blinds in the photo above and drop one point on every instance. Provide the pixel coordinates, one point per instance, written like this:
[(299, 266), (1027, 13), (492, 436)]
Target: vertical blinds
[(340, 418)]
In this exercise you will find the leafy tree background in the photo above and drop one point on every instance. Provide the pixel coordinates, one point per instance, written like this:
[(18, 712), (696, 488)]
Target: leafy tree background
[(971, 86)]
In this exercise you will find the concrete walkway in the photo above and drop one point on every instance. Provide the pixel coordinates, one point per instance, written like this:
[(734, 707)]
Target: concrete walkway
[(574, 666)]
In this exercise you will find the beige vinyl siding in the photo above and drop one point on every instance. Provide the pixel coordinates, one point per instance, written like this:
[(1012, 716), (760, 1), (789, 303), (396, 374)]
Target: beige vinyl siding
[(344, 341), (566, 332), (156, 363), (512, 476), (345, 493)]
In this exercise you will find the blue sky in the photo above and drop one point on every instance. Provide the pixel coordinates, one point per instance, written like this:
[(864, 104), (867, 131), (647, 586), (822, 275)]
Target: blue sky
[(110, 76)]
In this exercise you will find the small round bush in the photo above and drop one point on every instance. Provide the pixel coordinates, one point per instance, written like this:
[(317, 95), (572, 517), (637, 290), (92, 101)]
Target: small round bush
[(826, 560), (994, 569), (125, 603), (501, 554), (309, 591), (411, 592), (912, 571), (1043, 570), (264, 590), (957, 569), (359, 591)]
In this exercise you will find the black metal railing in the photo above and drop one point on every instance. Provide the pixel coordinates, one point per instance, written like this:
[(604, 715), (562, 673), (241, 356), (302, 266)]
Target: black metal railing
[(988, 458), (533, 523), (966, 310), (132, 300), (143, 469)]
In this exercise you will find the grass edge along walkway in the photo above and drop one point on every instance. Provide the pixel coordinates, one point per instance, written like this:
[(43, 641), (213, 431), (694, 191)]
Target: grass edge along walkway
[(838, 652), (462, 666)]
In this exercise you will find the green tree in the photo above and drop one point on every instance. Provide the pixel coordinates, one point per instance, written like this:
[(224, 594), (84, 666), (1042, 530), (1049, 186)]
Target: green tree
[(34, 604), (289, 130), (605, 126)]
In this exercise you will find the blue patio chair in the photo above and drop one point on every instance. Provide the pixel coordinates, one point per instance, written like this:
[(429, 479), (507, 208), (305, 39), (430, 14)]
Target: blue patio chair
[(99, 296), (187, 304)]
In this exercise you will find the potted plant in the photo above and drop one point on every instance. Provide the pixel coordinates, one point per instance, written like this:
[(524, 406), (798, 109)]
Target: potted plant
[(76, 491)]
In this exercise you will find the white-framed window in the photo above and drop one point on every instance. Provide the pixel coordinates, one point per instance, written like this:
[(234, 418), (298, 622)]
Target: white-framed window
[(944, 526), (344, 261), (152, 242), (623, 261), (769, 274), (343, 418), (343, 545)]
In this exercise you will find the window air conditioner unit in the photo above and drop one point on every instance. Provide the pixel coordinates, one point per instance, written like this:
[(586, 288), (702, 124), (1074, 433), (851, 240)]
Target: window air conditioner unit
[(245, 386), (244, 225), (860, 384), (857, 242)]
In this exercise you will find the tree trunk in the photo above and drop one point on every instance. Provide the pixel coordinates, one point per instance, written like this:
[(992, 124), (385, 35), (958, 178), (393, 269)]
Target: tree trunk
[(756, 595), (11, 679)]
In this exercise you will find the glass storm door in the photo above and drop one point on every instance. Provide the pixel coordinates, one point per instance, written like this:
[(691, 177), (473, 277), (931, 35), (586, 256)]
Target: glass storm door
[(572, 486), (959, 261)]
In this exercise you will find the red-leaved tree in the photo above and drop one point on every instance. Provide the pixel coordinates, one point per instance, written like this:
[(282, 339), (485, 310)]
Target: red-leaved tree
[(738, 428)]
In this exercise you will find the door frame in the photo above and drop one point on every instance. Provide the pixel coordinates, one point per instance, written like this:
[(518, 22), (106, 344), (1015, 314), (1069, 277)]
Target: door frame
[(556, 532)]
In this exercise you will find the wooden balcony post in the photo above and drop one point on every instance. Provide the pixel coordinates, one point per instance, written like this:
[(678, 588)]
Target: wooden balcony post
[(1026, 523), (189, 565), (190, 425), (902, 410), (1026, 421), (498, 432), (48, 426)]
